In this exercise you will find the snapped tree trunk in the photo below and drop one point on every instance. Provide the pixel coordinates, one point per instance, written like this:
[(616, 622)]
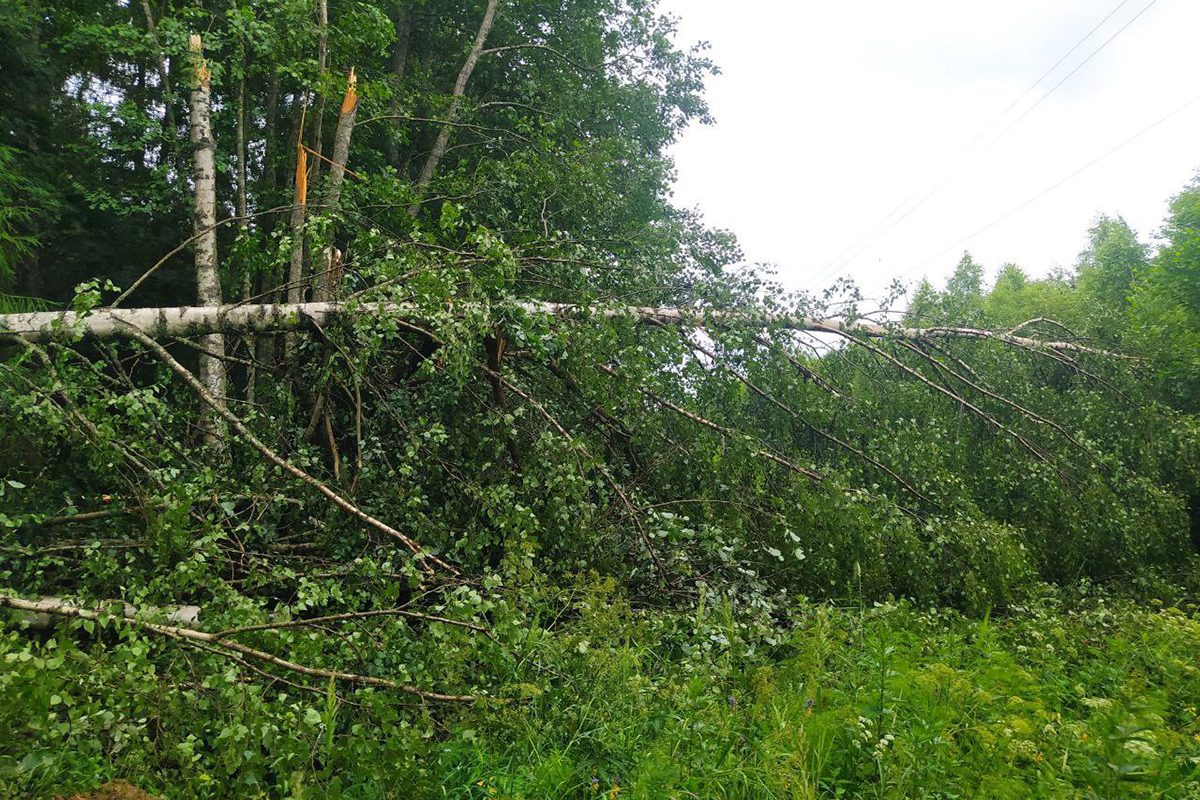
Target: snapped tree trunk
[(456, 100), (327, 286), (295, 276), (204, 225)]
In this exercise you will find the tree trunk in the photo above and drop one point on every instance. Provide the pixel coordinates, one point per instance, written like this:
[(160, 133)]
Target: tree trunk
[(326, 287), (241, 151), (295, 287), (204, 225), (322, 79), (295, 277), (460, 88), (269, 179), (109, 323), (398, 64), (244, 224), (164, 76)]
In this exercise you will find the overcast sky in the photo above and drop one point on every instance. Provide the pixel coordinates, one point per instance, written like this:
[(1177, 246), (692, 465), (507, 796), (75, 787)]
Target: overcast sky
[(830, 115)]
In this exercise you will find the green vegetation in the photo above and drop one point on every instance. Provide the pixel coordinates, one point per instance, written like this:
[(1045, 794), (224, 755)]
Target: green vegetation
[(469, 546), (1057, 699)]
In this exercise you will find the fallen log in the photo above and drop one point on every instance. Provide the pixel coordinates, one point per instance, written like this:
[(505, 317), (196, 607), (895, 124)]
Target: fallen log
[(39, 614), (178, 321)]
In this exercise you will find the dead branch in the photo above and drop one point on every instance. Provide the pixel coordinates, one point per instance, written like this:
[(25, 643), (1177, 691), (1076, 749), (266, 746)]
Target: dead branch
[(349, 616), (86, 516), (721, 429), (38, 612), (189, 635)]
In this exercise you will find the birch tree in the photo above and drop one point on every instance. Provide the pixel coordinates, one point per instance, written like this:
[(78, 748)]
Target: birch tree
[(204, 226)]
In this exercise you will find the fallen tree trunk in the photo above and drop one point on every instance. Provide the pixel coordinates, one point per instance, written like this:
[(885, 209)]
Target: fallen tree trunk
[(39, 614), (162, 323)]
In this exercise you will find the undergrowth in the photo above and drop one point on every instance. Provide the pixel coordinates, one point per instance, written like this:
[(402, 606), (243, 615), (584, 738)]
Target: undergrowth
[(1072, 697)]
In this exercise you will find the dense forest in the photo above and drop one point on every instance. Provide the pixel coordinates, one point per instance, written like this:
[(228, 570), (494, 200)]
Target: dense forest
[(476, 468)]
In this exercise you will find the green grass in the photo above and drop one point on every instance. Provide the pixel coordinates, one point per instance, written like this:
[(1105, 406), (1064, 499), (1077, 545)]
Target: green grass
[(1093, 699)]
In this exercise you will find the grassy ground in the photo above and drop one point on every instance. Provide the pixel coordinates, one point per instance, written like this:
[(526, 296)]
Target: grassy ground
[(1081, 699)]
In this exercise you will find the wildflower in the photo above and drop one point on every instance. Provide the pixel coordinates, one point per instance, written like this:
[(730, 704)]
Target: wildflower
[(1141, 747)]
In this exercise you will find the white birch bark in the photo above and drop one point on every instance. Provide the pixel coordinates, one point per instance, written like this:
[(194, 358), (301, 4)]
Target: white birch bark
[(161, 323), (204, 226), (337, 174)]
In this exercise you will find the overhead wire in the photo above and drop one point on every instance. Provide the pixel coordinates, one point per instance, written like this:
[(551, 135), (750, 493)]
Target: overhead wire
[(871, 237), (1106, 154)]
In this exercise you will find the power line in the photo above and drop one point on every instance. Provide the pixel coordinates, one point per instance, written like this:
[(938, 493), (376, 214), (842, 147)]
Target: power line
[(871, 237), (1055, 66), (1078, 67), (1054, 186)]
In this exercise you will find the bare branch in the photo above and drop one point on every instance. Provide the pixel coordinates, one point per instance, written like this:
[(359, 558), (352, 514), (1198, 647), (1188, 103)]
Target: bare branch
[(721, 429), (355, 615), (553, 50), (65, 609)]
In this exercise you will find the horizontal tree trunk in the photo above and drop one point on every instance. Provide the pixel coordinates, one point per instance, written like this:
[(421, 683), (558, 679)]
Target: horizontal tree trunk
[(179, 321), (39, 614)]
